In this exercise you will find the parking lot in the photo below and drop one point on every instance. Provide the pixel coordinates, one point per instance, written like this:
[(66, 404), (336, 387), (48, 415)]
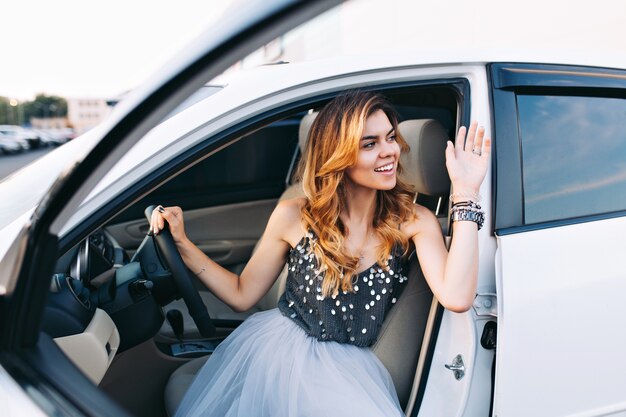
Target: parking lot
[(13, 162)]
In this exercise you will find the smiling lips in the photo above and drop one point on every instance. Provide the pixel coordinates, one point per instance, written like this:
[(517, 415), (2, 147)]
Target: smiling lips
[(385, 168)]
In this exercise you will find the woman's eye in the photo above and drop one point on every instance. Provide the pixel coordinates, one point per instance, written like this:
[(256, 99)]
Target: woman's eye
[(369, 145), (392, 138)]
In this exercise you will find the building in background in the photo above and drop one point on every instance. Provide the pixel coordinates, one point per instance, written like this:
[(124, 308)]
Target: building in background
[(85, 113), (48, 122)]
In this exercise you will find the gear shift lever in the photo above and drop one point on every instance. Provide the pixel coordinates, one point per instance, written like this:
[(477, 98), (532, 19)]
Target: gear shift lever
[(175, 319), (191, 348)]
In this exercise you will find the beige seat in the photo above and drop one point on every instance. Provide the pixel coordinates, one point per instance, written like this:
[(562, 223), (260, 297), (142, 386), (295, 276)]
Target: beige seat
[(399, 341)]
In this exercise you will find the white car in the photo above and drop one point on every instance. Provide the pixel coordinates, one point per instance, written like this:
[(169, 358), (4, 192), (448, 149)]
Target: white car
[(84, 292), (50, 137), (26, 138), (9, 144)]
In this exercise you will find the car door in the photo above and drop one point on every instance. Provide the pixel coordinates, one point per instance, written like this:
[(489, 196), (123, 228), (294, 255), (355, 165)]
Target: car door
[(33, 360), (560, 220)]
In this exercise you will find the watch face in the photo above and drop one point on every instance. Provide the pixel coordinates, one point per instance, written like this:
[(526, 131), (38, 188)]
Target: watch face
[(469, 213)]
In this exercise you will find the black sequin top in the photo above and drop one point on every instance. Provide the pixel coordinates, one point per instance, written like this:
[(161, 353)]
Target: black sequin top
[(349, 317)]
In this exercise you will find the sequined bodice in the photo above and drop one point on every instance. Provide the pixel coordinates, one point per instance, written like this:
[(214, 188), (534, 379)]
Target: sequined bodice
[(349, 317)]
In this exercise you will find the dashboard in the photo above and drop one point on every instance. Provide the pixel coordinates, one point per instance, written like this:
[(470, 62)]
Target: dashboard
[(95, 259), (98, 276)]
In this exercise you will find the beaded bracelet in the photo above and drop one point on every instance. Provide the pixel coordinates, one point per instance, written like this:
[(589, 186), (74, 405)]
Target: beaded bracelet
[(456, 196), (468, 204)]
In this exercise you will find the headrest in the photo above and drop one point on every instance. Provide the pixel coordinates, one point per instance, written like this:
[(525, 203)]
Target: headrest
[(305, 127), (425, 164)]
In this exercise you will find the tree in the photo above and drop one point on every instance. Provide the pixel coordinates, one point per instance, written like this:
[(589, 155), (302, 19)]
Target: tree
[(45, 106), (13, 112), (9, 111)]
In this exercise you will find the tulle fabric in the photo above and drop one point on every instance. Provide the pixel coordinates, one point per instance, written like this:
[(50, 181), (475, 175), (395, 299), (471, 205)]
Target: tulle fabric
[(269, 367)]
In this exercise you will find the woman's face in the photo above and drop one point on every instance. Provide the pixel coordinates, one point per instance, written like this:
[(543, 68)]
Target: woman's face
[(378, 155)]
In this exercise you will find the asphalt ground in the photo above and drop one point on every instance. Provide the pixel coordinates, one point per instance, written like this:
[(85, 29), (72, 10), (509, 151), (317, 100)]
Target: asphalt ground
[(11, 163)]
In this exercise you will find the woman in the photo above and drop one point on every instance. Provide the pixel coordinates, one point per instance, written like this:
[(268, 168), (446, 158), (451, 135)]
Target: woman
[(346, 242)]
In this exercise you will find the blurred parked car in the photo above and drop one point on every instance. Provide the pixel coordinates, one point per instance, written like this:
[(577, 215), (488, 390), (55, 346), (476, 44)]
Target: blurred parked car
[(53, 137), (64, 134), (8, 144), (17, 134), (83, 289), (27, 136)]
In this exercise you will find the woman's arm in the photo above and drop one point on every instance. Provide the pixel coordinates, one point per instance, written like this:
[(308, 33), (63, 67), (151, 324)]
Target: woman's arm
[(452, 276), (244, 291)]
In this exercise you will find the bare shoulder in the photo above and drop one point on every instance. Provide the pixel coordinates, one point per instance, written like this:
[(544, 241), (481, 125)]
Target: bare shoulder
[(423, 220), (286, 220), (290, 209)]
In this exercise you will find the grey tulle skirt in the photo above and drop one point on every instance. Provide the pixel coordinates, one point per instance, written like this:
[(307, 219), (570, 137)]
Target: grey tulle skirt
[(270, 367)]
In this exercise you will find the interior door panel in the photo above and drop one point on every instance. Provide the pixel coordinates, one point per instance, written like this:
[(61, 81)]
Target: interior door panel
[(227, 234), (229, 231), (228, 252)]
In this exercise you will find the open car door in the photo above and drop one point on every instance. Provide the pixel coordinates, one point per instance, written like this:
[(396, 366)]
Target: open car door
[(32, 364)]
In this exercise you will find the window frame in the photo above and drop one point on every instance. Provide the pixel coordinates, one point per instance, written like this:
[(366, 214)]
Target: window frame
[(507, 81), (204, 149)]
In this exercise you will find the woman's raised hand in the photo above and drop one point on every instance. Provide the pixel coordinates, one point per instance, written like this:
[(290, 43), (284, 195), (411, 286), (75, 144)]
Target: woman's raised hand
[(174, 217), (467, 160)]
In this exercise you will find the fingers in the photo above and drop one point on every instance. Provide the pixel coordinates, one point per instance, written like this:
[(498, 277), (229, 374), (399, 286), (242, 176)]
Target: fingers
[(471, 134), (478, 141), (162, 214), (486, 148), (153, 221), (449, 152), (459, 143), (471, 140)]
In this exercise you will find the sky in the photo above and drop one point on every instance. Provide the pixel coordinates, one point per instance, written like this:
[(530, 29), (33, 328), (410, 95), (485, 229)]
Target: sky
[(77, 48), (81, 49)]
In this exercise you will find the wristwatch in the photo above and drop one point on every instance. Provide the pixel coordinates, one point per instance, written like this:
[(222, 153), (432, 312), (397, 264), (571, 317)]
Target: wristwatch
[(475, 216)]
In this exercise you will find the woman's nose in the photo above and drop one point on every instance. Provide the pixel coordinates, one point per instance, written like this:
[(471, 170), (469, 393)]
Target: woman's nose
[(388, 149)]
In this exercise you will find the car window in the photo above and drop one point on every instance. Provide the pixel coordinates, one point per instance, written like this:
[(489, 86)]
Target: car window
[(574, 156), (252, 168)]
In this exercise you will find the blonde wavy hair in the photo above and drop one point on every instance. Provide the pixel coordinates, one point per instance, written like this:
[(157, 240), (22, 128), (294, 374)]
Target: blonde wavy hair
[(333, 147)]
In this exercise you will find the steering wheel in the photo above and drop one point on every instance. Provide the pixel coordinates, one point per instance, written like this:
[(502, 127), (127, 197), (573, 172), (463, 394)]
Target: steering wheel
[(182, 277)]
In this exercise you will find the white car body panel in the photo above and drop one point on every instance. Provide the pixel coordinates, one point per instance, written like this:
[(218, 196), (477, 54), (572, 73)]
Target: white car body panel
[(460, 333), (13, 400), (444, 394), (560, 339)]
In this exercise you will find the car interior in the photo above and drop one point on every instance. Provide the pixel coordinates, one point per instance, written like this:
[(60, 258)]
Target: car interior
[(145, 351)]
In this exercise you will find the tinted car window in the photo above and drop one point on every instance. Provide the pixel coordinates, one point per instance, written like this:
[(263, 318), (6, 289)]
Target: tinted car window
[(574, 156), (253, 168)]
